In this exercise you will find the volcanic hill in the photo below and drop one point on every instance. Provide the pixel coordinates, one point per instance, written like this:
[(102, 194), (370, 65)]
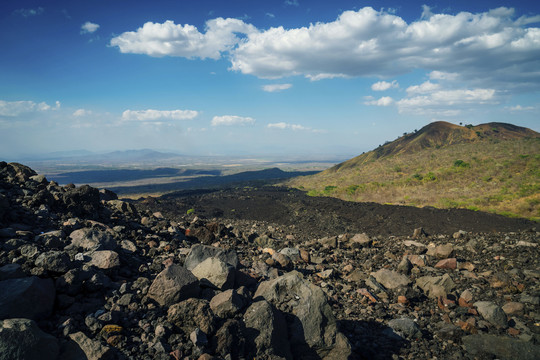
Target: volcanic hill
[(489, 167)]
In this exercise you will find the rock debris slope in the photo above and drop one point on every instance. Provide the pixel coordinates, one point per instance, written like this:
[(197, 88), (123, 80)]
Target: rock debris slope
[(84, 275)]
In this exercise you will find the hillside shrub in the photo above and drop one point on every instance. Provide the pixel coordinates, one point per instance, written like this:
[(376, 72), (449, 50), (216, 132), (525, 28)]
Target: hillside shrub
[(461, 163), (351, 189), (328, 189)]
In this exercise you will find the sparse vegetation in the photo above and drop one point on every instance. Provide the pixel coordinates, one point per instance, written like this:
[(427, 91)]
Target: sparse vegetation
[(501, 177), (190, 211)]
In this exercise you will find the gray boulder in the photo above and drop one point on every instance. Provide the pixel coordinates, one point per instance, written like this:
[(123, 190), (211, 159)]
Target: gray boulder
[(406, 328), (492, 313), (215, 272), (191, 314), (500, 346), (54, 261), (435, 286), (92, 239), (22, 339), (123, 206), (227, 303), (81, 346), (51, 238), (104, 259), (391, 279), (29, 297), (266, 329), (199, 253), (174, 284), (82, 201), (312, 327)]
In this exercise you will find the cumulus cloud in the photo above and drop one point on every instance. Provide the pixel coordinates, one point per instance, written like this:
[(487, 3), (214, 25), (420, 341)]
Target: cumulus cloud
[(426, 87), (16, 108), (492, 49), (89, 28), (151, 115), (30, 12), (276, 87), (228, 120), (384, 101), (443, 102), (170, 39), (384, 85), (81, 113), (369, 42)]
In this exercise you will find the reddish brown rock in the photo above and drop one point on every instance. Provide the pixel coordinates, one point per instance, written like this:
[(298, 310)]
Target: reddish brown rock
[(450, 264)]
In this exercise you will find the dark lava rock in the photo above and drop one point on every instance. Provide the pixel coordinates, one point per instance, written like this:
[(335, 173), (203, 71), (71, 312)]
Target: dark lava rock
[(174, 284), (29, 297), (22, 339)]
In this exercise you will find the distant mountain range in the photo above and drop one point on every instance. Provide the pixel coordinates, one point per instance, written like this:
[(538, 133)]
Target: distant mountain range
[(490, 167), (86, 156)]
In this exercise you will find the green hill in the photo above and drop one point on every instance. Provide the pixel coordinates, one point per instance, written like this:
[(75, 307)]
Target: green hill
[(490, 167)]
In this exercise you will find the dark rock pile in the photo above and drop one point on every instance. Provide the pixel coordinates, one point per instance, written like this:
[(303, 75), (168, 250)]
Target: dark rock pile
[(84, 275)]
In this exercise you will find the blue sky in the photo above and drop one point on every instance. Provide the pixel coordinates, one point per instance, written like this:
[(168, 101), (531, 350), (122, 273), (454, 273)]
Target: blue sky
[(259, 77)]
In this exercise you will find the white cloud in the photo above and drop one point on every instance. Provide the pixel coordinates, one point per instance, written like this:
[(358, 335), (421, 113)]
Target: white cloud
[(228, 120), (30, 12), (489, 47), (157, 116), (295, 127), (492, 49), (384, 85), (520, 108), (441, 75), (81, 113), (426, 87), (384, 101), (89, 27), (276, 87), (16, 108), (169, 39), (433, 100), (270, 15)]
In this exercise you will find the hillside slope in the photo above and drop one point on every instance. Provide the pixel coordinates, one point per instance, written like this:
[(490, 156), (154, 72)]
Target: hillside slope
[(490, 167)]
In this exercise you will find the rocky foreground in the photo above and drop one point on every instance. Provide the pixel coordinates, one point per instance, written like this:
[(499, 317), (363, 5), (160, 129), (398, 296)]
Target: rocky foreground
[(84, 275)]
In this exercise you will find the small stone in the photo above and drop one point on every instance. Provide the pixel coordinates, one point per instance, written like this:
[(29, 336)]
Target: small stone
[(513, 308), (304, 255), (418, 260), (198, 338), (405, 266), (440, 251), (406, 328), (104, 259), (326, 274), (360, 240), (492, 313), (391, 279), (283, 260), (450, 264), (215, 272)]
